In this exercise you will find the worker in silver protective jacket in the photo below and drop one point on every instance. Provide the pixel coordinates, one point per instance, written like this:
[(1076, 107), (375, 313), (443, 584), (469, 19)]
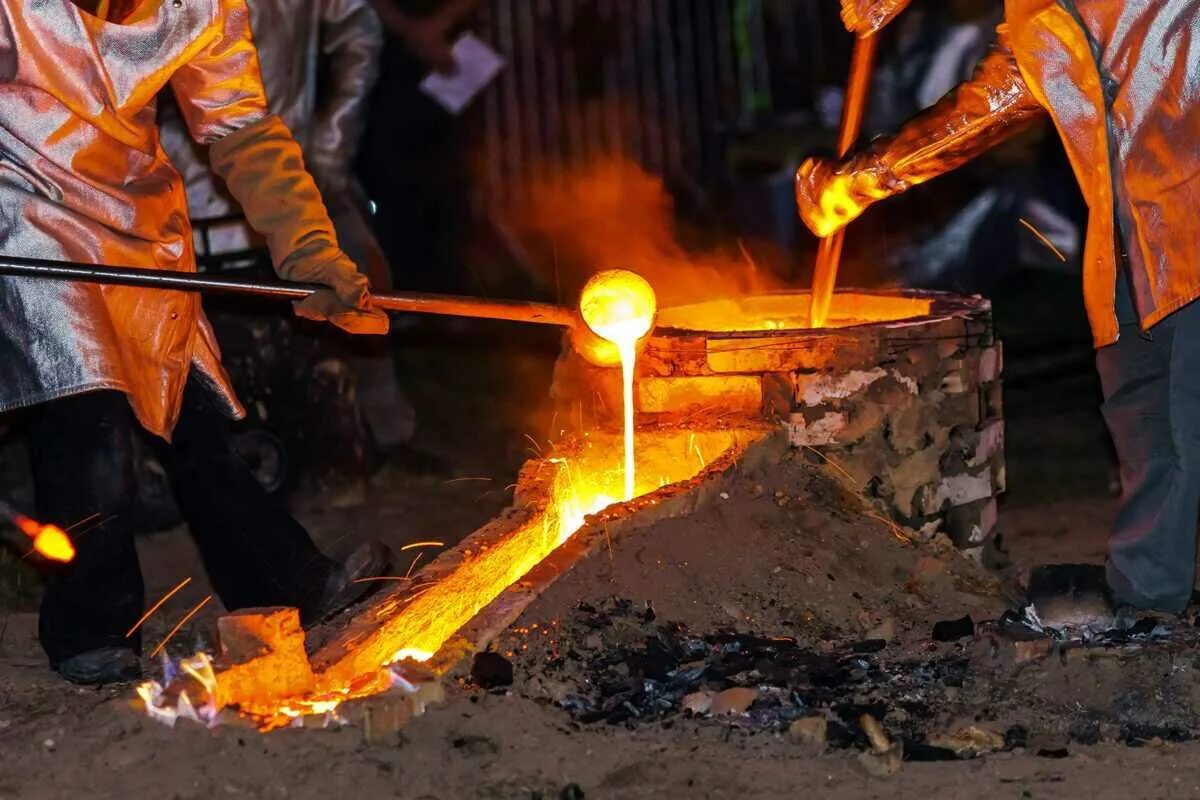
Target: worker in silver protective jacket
[(83, 177), (1118, 80), (319, 61)]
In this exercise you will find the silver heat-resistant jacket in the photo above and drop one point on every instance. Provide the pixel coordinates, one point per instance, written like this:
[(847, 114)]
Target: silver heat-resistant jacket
[(1128, 111), (319, 61), (84, 178)]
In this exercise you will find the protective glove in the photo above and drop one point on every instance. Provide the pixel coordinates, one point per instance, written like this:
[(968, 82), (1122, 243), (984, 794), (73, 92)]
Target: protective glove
[(865, 17), (993, 106), (831, 194), (263, 168), (346, 304)]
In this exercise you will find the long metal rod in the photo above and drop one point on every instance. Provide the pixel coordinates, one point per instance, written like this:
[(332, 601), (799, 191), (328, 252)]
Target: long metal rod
[(829, 253), (411, 302)]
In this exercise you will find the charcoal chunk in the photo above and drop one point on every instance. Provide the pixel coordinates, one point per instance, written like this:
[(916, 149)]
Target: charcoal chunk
[(951, 630), (491, 671)]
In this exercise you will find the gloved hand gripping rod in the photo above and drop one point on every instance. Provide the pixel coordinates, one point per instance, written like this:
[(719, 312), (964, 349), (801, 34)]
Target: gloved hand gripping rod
[(410, 302)]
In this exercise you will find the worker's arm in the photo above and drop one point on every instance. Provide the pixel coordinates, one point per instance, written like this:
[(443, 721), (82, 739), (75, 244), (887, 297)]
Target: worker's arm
[(867, 17), (221, 97), (993, 106), (427, 37), (351, 42)]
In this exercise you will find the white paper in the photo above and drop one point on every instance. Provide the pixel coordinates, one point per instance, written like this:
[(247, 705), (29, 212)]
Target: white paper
[(477, 64)]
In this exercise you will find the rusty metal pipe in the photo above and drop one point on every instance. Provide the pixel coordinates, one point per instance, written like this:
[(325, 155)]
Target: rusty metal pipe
[(409, 302), (829, 253)]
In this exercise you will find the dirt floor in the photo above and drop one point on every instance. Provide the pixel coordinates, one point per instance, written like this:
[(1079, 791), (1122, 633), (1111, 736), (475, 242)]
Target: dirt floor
[(781, 588)]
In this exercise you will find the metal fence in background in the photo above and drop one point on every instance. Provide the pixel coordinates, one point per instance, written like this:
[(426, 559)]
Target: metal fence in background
[(662, 82)]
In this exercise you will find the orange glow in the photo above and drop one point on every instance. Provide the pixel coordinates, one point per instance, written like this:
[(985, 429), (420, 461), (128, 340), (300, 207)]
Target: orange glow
[(419, 620), (53, 544), (50, 541), (581, 485), (620, 306), (787, 312)]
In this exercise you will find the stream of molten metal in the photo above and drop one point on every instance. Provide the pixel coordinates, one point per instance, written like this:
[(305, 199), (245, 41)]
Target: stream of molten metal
[(628, 350), (620, 306)]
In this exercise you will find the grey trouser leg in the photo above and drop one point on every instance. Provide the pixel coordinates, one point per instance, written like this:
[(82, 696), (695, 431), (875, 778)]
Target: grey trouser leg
[(1152, 407), (388, 415)]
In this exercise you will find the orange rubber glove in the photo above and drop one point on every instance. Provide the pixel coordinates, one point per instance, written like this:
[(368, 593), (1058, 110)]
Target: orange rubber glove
[(978, 115), (832, 194)]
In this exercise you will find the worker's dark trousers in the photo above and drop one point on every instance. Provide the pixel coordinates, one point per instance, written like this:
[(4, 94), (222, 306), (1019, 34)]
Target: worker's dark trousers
[(254, 552), (1151, 388)]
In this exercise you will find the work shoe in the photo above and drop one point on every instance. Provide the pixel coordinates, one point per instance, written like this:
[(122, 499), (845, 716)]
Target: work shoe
[(1071, 599), (102, 666), (347, 584)]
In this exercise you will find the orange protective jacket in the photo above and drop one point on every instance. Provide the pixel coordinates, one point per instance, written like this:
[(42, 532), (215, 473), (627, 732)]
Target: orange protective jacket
[(1142, 136), (83, 177)]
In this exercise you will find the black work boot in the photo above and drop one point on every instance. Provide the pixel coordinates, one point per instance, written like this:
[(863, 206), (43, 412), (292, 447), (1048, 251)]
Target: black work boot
[(102, 666), (347, 584)]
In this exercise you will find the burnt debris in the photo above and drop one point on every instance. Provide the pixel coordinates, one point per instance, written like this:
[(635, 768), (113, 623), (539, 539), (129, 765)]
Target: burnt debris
[(614, 664)]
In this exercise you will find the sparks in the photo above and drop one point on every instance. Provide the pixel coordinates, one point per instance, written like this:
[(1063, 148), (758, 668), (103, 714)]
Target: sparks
[(179, 625), (1043, 239), (157, 606), (415, 545)]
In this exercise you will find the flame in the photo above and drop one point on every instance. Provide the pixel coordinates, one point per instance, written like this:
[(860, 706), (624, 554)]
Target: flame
[(411, 653), (50, 541), (620, 306)]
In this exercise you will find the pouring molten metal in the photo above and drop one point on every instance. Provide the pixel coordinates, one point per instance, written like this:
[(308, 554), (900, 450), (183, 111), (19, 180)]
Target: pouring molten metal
[(620, 306), (619, 309)]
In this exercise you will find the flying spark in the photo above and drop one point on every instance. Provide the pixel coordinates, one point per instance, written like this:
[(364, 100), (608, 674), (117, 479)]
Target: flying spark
[(158, 605), (179, 625), (1043, 239)]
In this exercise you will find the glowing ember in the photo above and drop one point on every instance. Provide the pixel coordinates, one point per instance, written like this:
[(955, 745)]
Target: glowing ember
[(620, 306), (419, 620), (50, 541), (417, 624)]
